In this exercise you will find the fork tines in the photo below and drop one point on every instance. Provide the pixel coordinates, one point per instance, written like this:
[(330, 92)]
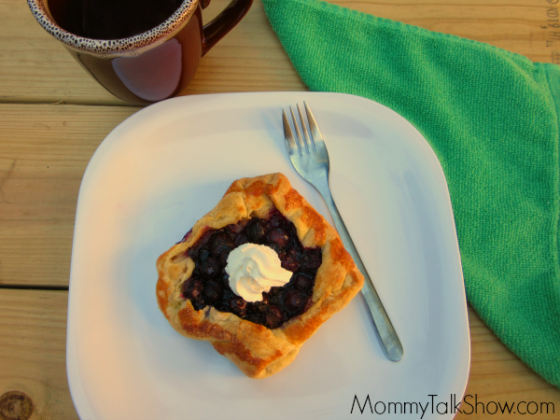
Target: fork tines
[(301, 141)]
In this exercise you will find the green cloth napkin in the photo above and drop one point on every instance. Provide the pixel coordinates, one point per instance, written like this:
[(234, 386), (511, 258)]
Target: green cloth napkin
[(492, 119)]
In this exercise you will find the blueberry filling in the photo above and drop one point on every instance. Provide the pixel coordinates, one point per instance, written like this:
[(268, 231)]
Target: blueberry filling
[(209, 282)]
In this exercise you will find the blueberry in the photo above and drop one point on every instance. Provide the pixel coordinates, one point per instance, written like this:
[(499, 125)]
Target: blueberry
[(192, 288), (213, 292), (221, 244), (241, 239), (194, 251), (238, 306), (256, 231), (259, 306), (203, 254), (312, 259), (295, 300), (237, 228), (198, 303), (303, 283), (209, 267), (273, 316), (278, 237), (276, 218), (290, 260)]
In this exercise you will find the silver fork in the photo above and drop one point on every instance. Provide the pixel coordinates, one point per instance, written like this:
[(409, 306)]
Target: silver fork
[(310, 158)]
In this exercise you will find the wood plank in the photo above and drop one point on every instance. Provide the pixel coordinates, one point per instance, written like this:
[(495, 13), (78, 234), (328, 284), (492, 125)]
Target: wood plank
[(44, 151), (34, 67), (498, 376), (32, 361), (33, 352), (514, 25), (36, 252)]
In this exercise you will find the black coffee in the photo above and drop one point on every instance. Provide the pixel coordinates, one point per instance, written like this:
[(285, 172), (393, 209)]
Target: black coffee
[(111, 19)]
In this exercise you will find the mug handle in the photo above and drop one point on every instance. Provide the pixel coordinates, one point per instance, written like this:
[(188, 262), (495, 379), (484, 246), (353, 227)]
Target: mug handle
[(215, 30)]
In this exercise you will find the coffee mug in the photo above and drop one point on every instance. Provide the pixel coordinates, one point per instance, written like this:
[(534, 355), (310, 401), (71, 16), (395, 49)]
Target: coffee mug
[(139, 68)]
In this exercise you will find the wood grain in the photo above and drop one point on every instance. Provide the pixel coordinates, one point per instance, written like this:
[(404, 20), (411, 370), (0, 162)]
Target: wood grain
[(514, 25), (34, 67), (498, 376), (44, 151), (32, 351)]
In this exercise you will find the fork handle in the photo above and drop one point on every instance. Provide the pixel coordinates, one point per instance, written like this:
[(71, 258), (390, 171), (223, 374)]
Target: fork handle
[(385, 330)]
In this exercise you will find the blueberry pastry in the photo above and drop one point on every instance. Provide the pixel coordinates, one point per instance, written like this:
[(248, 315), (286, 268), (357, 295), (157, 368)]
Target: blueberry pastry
[(257, 275)]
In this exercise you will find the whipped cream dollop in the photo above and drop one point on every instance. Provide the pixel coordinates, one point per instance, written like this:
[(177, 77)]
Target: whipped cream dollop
[(254, 269)]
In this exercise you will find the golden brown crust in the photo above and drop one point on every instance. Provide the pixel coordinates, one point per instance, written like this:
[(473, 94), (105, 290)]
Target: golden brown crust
[(258, 351)]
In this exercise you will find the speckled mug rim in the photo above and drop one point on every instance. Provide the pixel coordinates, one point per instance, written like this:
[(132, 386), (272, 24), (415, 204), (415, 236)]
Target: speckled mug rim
[(123, 47)]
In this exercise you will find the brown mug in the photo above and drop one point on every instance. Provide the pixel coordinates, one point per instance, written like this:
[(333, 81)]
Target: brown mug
[(149, 66)]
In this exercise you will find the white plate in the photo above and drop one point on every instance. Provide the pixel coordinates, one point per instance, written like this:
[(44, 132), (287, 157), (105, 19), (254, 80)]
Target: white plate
[(166, 166)]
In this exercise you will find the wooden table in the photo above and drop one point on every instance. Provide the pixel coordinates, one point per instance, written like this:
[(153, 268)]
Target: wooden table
[(53, 116)]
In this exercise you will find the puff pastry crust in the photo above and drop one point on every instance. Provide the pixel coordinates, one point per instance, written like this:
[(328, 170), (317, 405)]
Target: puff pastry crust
[(257, 350)]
